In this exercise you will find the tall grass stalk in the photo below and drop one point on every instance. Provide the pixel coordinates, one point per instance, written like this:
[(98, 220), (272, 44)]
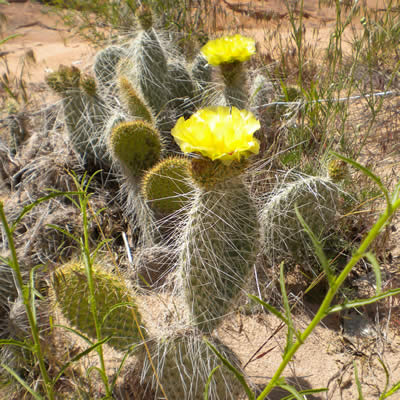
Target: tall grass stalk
[(82, 204)]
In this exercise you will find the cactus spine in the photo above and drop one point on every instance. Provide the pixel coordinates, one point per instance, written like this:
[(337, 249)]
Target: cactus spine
[(149, 62)]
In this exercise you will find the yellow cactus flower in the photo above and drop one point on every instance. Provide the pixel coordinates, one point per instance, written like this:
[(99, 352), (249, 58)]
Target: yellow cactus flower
[(229, 49), (219, 133)]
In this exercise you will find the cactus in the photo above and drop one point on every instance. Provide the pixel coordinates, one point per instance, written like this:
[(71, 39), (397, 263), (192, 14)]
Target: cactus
[(136, 145), (183, 364), (181, 88), (147, 63), (229, 53), (201, 73), (338, 170), (64, 80), (284, 236), (152, 265), (88, 84), (235, 79), (220, 243), (261, 94), (165, 187), (132, 101), (115, 306), (85, 114), (105, 66), (221, 236)]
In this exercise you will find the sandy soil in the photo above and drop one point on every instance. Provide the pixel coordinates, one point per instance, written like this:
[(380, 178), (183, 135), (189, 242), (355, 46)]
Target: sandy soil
[(45, 35), (325, 360)]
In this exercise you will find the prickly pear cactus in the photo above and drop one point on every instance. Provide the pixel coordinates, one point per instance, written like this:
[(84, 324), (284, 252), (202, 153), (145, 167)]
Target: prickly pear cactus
[(220, 245), (146, 64), (181, 88), (201, 73), (284, 236), (261, 94), (221, 235), (136, 145), (115, 305), (166, 186), (229, 53), (135, 105), (106, 66), (85, 113), (184, 362)]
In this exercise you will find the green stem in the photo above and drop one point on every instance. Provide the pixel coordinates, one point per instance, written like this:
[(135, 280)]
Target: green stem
[(322, 311), (83, 199), (25, 291)]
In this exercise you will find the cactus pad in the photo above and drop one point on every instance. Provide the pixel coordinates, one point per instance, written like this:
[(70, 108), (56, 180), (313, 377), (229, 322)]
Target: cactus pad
[(73, 298), (106, 63), (219, 247), (136, 106), (285, 237), (136, 145), (184, 362), (166, 185)]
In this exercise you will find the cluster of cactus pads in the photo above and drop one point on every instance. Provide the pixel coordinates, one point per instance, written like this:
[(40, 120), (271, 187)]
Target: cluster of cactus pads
[(120, 120)]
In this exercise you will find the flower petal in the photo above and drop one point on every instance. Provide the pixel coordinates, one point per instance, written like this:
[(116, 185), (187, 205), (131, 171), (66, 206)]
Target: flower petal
[(229, 49), (219, 133)]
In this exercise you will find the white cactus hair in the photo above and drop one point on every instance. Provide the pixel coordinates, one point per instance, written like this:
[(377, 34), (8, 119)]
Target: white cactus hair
[(183, 363), (283, 235)]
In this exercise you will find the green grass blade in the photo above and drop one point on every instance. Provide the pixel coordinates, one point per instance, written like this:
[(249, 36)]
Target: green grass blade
[(64, 232), (74, 331), (270, 308), (362, 302), (114, 307), (33, 291), (29, 207), (305, 392), (2, 41), (358, 383), (35, 395), (317, 247), (294, 393), (208, 383), (102, 374), (79, 356), (367, 172), (121, 365), (377, 271), (291, 330), (12, 342), (393, 390), (234, 370), (387, 376)]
